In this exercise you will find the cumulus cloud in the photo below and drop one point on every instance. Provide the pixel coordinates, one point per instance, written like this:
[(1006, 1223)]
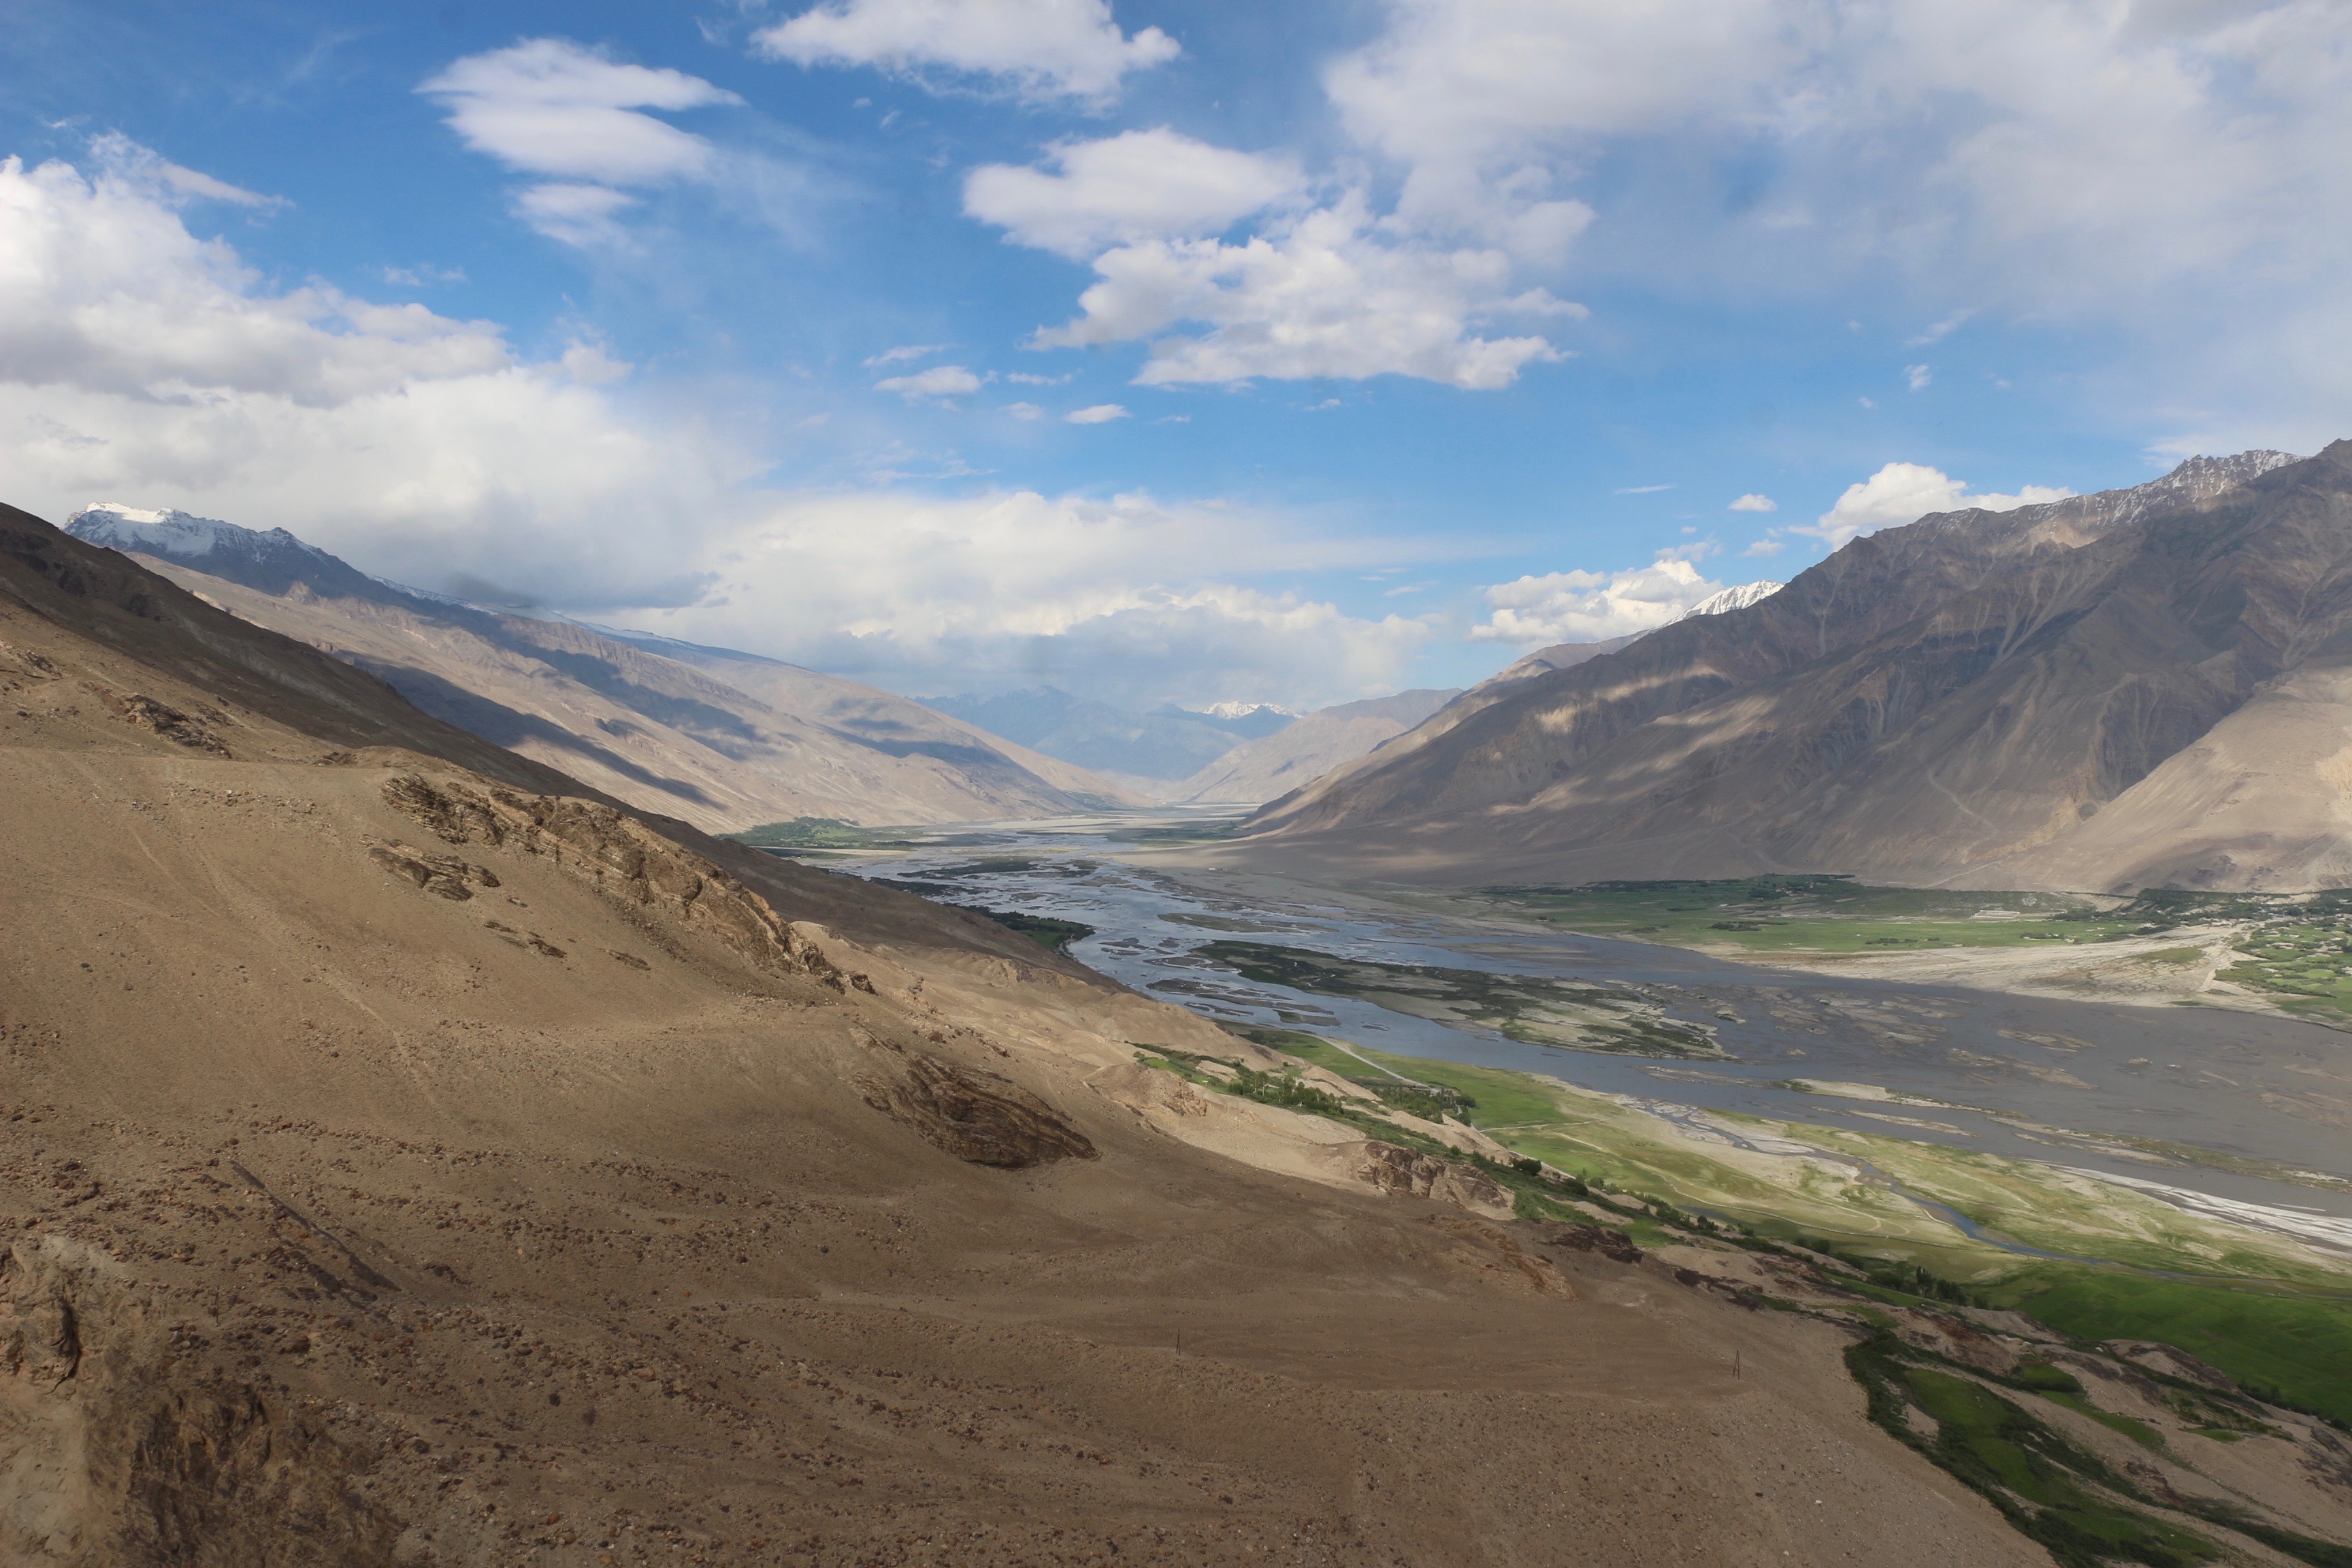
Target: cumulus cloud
[(147, 365), (1590, 606), (1140, 184), (938, 384), (1024, 411), (1323, 295), (1905, 492), (1753, 502), (2175, 169), (1128, 598), (1100, 414), (1038, 49)]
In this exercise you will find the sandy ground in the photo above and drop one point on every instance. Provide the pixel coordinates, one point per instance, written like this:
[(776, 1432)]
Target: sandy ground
[(385, 1179)]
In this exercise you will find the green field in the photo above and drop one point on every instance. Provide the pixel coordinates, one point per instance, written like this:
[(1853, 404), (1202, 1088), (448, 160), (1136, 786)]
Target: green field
[(819, 833), (2297, 1347), (2260, 1307), (1818, 914)]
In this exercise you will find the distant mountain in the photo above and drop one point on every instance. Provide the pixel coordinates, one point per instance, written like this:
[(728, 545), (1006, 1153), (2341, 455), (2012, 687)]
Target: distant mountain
[(1150, 751), (723, 739), (2150, 686), (1300, 752), (1247, 719)]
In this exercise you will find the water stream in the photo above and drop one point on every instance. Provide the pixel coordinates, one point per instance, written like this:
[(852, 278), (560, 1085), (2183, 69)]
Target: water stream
[(2258, 1086)]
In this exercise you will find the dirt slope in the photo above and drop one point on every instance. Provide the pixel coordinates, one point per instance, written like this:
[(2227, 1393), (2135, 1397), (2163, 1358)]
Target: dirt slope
[(1298, 753), (1956, 699), (408, 1158), (723, 741)]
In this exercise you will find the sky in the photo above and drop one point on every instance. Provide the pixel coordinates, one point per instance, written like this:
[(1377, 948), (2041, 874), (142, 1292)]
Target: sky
[(1165, 349)]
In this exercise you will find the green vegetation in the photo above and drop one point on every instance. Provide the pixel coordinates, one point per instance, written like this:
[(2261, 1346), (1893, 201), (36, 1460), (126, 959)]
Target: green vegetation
[(1817, 914), (1530, 1008), (817, 833), (2053, 1490), (1052, 934), (2294, 1351), (2302, 960), (2266, 1312), (2262, 1310)]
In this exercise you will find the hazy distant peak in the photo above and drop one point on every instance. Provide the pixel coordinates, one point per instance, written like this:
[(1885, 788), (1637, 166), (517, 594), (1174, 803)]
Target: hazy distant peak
[(1738, 598), (1243, 709)]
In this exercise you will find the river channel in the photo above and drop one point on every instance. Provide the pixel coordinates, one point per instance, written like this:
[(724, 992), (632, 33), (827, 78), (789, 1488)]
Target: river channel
[(2249, 1085)]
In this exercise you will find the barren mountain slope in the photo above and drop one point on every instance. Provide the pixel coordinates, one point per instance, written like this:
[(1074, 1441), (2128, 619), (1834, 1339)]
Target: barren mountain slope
[(1302, 751), (769, 743), (408, 1162), (1960, 694)]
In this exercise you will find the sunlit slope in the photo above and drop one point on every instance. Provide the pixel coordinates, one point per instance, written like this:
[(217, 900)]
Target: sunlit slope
[(1959, 698), (721, 740)]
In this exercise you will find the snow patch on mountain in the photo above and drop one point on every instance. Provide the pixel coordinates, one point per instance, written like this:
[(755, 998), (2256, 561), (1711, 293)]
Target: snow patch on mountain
[(1738, 598)]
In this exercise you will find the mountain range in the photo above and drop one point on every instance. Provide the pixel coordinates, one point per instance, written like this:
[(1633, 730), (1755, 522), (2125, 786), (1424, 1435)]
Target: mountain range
[(1307, 749), (720, 739), (1150, 752), (2144, 686)]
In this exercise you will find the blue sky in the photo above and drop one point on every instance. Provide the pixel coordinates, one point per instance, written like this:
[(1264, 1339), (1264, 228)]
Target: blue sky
[(1403, 336)]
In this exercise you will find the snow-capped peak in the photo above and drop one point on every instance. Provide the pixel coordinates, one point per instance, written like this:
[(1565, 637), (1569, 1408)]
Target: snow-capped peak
[(1738, 598), (1243, 709), (174, 535)]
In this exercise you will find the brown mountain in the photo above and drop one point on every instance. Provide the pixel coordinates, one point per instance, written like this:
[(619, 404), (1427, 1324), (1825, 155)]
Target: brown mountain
[(723, 739), (408, 1157), (1305, 750), (2139, 687)]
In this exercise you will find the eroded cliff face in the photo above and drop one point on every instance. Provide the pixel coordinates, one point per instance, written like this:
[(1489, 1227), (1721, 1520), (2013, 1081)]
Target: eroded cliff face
[(1956, 699)]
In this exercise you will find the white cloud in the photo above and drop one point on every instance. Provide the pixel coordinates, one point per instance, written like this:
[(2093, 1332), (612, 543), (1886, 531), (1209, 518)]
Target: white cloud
[(1640, 490), (903, 353), (1589, 606), (574, 214), (2174, 168), (1127, 597), (1905, 492), (1917, 376), (104, 290), (1024, 411), (1485, 102), (147, 365), (1941, 330), (551, 107), (1025, 379), (1767, 545), (1100, 414), (1322, 295), (128, 160), (1140, 184), (1755, 502), (938, 384), (1040, 49)]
